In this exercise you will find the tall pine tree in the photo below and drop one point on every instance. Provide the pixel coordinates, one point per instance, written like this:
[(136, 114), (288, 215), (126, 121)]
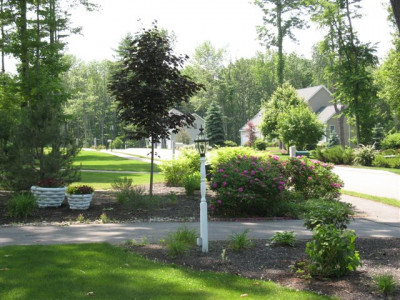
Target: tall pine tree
[(214, 125)]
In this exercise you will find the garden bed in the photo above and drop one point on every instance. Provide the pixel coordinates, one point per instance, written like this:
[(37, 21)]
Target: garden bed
[(274, 263)]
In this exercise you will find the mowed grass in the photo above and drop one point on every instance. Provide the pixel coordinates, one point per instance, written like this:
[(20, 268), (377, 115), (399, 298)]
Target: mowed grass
[(93, 160), (384, 200), (103, 271), (103, 181)]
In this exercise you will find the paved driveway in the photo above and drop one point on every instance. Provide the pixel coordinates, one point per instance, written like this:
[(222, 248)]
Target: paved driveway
[(371, 182)]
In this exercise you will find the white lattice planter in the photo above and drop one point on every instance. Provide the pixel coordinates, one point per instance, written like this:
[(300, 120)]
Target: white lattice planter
[(79, 201), (48, 197)]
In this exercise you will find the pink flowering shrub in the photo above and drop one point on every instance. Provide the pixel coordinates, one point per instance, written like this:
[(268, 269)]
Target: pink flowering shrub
[(312, 179), (248, 185)]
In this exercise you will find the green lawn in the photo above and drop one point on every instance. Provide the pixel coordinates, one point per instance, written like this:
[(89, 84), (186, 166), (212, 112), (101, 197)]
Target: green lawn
[(92, 160), (102, 271), (395, 171), (388, 201), (103, 181)]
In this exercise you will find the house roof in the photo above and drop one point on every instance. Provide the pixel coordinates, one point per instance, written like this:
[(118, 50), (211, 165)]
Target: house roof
[(308, 93), (256, 120), (327, 112)]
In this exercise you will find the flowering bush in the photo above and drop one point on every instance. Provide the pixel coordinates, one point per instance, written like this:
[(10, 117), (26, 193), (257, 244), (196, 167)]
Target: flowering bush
[(312, 178), (248, 185), (50, 183), (80, 190)]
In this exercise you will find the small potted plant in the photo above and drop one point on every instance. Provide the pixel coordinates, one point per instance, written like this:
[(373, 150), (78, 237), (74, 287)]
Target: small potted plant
[(49, 192), (80, 196)]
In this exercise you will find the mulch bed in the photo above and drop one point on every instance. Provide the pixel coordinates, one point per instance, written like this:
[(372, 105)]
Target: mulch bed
[(259, 262)]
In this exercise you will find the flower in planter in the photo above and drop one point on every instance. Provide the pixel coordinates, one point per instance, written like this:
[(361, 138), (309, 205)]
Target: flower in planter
[(80, 190), (50, 183)]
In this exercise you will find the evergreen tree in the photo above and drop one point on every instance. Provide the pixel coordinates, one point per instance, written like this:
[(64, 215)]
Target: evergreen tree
[(378, 134), (214, 125), (333, 139)]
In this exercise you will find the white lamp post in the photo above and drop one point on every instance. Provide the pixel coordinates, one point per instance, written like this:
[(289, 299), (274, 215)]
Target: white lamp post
[(201, 146)]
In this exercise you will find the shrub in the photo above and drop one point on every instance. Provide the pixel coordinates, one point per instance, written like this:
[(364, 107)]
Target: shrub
[(391, 141), (364, 155), (135, 198), (240, 241), (104, 218), (50, 183), (21, 205), (117, 143), (225, 154), (286, 238), (385, 283), (383, 162), (191, 183), (336, 155), (327, 212), (181, 241), (333, 139), (248, 185), (122, 184), (80, 190), (312, 179), (230, 144), (260, 144), (175, 170), (332, 252)]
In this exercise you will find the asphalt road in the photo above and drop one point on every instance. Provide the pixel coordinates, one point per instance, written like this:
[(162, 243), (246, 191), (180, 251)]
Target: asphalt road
[(371, 182)]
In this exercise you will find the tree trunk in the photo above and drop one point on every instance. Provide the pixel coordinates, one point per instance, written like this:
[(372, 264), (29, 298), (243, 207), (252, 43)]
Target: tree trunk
[(152, 167), (281, 63), (396, 12)]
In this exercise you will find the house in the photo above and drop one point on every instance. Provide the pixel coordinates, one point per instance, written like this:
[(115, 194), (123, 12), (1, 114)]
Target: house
[(189, 133), (319, 100)]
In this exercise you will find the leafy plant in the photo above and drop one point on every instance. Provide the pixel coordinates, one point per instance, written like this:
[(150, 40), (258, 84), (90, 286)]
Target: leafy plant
[(240, 241), (135, 198), (332, 252), (260, 144), (285, 238), (80, 190), (391, 141), (181, 241), (80, 218), (364, 155), (122, 184), (336, 155), (21, 205), (104, 218), (327, 212), (385, 283), (191, 182), (174, 171)]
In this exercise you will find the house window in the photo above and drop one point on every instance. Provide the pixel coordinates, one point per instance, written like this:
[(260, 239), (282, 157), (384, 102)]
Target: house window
[(195, 125), (331, 128)]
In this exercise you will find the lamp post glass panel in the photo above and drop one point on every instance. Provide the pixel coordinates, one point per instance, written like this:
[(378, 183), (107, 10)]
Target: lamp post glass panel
[(201, 146)]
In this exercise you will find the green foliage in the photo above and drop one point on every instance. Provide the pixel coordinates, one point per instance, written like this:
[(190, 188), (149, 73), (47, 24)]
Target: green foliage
[(391, 141), (299, 126), (230, 144), (383, 162), (364, 155), (332, 252), (117, 143), (181, 241), (283, 98), (240, 241), (285, 238), (327, 212), (223, 155), (385, 283), (80, 190), (214, 125), (122, 184), (336, 155), (333, 139), (260, 144), (312, 179), (136, 198), (378, 134), (80, 218), (104, 218), (21, 205), (191, 182)]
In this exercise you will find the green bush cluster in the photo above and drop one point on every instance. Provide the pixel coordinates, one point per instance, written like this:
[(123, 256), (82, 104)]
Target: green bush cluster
[(21, 205), (323, 212), (117, 143), (383, 162), (336, 155), (191, 182), (260, 144), (176, 170), (332, 252), (364, 155), (391, 141)]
